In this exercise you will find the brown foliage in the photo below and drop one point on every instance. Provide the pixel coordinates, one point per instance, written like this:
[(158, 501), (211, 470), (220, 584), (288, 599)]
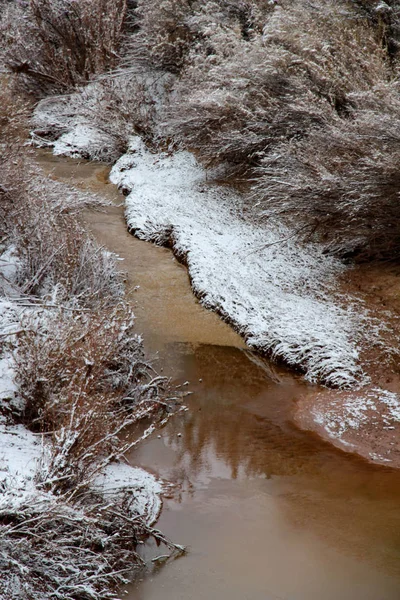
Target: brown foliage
[(84, 379), (55, 45)]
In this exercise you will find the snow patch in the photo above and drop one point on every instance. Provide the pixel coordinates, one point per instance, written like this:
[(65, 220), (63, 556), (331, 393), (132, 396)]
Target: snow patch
[(144, 489), (20, 452), (375, 408), (279, 295), (9, 263), (84, 141)]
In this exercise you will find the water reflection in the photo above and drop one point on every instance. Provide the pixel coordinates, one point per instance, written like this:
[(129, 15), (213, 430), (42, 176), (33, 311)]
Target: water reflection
[(237, 444)]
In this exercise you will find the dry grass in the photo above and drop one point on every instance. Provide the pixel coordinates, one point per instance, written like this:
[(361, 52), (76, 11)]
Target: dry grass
[(84, 380), (300, 96), (242, 96)]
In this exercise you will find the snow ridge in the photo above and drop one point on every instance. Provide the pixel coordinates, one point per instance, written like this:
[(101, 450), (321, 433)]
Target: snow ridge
[(279, 295)]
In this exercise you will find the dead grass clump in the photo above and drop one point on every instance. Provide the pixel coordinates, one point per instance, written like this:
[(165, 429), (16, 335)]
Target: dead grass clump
[(55, 45), (164, 37), (342, 181), (59, 263), (84, 379), (52, 548), (126, 104)]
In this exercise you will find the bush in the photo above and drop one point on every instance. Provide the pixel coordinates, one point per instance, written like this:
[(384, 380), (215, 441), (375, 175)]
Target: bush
[(243, 95), (342, 181), (83, 377), (55, 45)]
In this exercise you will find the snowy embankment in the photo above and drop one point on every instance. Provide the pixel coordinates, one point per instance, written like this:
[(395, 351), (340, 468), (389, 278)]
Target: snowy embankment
[(279, 295), (20, 450)]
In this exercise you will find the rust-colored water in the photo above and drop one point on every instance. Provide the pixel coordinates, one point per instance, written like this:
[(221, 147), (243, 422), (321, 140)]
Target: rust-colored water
[(268, 511)]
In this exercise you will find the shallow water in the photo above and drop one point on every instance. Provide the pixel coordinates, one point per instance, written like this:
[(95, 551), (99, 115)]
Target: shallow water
[(268, 511)]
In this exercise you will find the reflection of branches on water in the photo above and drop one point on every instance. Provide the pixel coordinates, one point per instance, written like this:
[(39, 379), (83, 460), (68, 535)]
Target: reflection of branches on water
[(272, 371), (221, 429), (234, 428)]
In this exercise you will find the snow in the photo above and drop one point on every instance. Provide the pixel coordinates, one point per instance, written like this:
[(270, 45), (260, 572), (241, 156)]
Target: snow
[(8, 388), (20, 452), (374, 407), (83, 141), (279, 295), (9, 263), (145, 489)]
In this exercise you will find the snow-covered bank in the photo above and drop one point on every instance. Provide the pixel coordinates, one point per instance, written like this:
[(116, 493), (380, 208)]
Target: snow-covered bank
[(365, 421), (21, 451), (279, 295)]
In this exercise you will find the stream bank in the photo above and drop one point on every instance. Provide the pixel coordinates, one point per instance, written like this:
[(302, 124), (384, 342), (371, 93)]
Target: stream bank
[(267, 510)]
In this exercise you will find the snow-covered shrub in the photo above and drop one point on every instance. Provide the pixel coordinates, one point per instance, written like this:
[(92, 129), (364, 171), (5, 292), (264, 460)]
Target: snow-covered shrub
[(164, 37), (342, 180), (59, 262), (240, 96), (54, 45), (84, 378), (169, 30), (51, 547), (385, 17)]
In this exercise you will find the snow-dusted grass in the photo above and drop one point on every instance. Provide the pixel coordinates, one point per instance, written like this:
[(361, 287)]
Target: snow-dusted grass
[(278, 294)]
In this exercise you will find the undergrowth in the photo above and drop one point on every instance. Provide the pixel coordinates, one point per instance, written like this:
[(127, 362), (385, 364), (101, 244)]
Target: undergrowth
[(83, 381), (299, 99)]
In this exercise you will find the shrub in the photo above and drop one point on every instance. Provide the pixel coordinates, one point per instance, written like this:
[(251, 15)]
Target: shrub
[(55, 45), (343, 181), (241, 96), (83, 377)]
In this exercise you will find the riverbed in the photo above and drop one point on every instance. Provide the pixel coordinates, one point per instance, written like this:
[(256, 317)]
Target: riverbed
[(267, 510)]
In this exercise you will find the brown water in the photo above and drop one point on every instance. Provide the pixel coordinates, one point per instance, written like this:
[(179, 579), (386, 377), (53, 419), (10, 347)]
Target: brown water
[(268, 511)]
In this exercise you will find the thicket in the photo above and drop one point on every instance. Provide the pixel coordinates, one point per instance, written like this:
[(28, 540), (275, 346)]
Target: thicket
[(299, 98), (83, 380), (55, 45)]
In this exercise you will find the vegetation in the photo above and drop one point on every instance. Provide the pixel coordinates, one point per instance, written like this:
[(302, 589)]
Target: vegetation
[(297, 100), (83, 379), (55, 45)]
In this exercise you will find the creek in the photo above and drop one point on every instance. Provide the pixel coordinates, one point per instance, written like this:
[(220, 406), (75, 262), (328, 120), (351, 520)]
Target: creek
[(268, 511)]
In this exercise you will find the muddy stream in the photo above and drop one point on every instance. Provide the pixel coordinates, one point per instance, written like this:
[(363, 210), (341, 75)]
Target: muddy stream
[(269, 512)]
